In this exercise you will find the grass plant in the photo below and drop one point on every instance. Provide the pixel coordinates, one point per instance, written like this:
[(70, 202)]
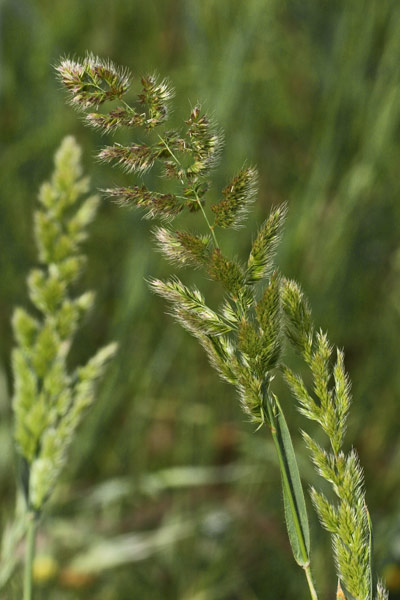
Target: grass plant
[(244, 337), (50, 399)]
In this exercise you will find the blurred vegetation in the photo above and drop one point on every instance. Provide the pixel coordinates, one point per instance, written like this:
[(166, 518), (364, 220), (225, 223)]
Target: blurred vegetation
[(170, 493)]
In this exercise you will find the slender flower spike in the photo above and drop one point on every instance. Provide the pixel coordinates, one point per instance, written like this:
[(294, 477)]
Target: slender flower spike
[(156, 96), (298, 327), (264, 247), (204, 143)]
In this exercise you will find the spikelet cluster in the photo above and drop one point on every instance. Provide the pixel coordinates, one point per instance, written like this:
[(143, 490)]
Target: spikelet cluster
[(243, 339), (49, 402), (328, 402), (187, 157)]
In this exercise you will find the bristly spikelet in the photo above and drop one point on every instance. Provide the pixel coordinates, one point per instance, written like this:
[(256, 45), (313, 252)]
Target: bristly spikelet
[(189, 308), (320, 361), (381, 592), (228, 272), (251, 396), (47, 403), (268, 308), (307, 405), (238, 196), (92, 81), (298, 326), (221, 354), (183, 248), (204, 143), (269, 317), (156, 96), (249, 341), (165, 206), (134, 158), (343, 399), (264, 247), (327, 513)]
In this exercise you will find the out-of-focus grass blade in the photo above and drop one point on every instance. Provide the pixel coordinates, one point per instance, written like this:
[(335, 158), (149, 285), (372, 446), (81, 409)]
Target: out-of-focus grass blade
[(124, 549), (153, 484)]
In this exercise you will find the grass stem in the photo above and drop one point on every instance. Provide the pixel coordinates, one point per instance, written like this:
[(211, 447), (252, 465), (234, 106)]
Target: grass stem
[(313, 591), (210, 227), (177, 161), (29, 556)]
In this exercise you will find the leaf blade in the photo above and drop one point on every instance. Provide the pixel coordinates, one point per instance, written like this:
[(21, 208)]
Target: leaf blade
[(293, 495)]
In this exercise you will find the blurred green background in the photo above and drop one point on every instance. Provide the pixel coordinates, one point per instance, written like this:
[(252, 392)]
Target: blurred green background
[(169, 493)]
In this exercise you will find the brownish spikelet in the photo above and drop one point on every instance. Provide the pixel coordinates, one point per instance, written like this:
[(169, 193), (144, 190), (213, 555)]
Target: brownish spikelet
[(92, 81), (139, 158), (163, 205)]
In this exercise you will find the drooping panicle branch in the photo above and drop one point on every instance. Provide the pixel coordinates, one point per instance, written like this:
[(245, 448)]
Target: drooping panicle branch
[(345, 517)]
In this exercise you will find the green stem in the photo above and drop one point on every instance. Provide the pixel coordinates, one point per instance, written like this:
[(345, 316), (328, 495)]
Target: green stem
[(311, 587), (210, 227), (292, 502), (29, 556)]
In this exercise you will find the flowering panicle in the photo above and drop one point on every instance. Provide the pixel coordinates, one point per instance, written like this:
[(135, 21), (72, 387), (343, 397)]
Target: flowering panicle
[(49, 402), (243, 338)]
